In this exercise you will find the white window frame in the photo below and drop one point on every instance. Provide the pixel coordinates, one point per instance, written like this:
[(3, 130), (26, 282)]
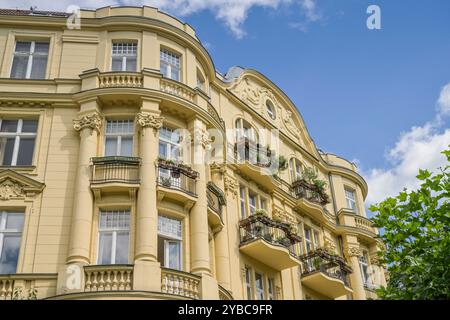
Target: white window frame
[(350, 197), (249, 282), (296, 169), (364, 265), (3, 230), (308, 240), (170, 65), (270, 108), (270, 288), (30, 58), (260, 291), (124, 56), (119, 136), (17, 135), (114, 231), (252, 208), (171, 237), (243, 201), (245, 131), (170, 144)]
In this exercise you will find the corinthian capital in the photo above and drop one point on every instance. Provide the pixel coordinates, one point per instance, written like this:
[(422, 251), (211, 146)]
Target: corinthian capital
[(146, 119), (92, 121), (353, 251)]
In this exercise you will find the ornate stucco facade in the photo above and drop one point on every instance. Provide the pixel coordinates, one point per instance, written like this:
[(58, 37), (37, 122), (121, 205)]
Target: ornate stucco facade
[(132, 169)]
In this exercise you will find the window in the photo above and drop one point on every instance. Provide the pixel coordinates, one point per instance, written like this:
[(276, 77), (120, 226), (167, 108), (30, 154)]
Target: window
[(252, 203), (114, 237), (249, 283), (270, 289), (363, 265), (170, 65), (124, 56), (169, 242), (316, 239), (17, 139), (119, 138), (169, 144), (30, 60), (259, 284), (351, 200), (11, 224), (245, 130), (270, 109), (263, 204), (242, 194), (296, 169), (200, 81), (308, 240)]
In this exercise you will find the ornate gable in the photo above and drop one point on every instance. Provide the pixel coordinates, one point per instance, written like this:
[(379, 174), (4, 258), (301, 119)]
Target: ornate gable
[(14, 185)]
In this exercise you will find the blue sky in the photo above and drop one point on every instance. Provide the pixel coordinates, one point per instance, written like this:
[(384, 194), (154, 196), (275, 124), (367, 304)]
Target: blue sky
[(367, 95)]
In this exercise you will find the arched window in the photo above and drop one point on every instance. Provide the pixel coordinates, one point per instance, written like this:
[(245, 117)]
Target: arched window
[(270, 108)]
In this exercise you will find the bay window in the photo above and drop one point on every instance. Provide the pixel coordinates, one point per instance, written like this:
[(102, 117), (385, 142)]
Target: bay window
[(170, 242), (17, 140), (11, 225), (30, 60), (119, 138), (170, 65), (124, 56), (114, 237)]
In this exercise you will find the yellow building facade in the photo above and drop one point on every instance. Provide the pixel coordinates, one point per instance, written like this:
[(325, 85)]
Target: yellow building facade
[(132, 169)]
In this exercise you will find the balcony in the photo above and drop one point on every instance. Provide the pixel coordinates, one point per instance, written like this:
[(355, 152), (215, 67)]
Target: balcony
[(255, 162), (362, 226), (216, 200), (113, 174), (310, 199), (179, 283), (176, 181), (325, 273), (108, 278), (27, 286), (269, 242), (120, 80)]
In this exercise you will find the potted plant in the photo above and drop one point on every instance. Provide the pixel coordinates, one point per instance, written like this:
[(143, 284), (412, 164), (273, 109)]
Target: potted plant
[(260, 212), (165, 181)]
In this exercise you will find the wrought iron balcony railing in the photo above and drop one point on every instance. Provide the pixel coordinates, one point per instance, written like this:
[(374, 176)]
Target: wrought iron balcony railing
[(304, 190), (246, 149), (115, 169), (329, 264), (176, 176)]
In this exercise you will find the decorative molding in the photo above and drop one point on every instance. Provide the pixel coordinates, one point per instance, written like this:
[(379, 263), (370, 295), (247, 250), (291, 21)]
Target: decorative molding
[(329, 244), (353, 251), (14, 185), (202, 136), (146, 119), (375, 259), (290, 125), (92, 121), (218, 167), (231, 186)]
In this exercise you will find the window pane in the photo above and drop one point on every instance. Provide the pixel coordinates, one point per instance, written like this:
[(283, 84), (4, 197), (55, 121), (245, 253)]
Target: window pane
[(19, 67), (126, 147), (38, 68), (169, 227), (6, 150), (104, 249), (9, 126), (174, 255), (175, 75), (163, 150), (29, 126), (41, 47), (163, 70), (26, 148), (122, 244), (111, 146), (10, 253), (23, 47), (116, 64), (259, 286), (131, 64), (14, 221)]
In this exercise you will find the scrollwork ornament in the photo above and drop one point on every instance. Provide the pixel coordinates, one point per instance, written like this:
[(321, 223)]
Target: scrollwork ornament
[(92, 121)]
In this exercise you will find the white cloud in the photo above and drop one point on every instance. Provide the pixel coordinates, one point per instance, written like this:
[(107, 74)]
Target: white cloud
[(232, 13), (419, 148)]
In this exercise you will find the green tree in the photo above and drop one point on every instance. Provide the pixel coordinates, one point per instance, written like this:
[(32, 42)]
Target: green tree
[(416, 227)]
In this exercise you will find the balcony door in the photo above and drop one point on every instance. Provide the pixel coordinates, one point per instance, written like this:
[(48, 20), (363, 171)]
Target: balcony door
[(170, 243)]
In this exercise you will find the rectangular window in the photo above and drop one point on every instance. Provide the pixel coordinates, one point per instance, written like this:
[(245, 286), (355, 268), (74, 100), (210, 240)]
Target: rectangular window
[(242, 194), (119, 138), (17, 140), (11, 225), (363, 265), (263, 204), (124, 56), (308, 240), (351, 200), (169, 143), (270, 288), (170, 65), (316, 239), (249, 283), (30, 60), (169, 242), (114, 237), (252, 203), (259, 285)]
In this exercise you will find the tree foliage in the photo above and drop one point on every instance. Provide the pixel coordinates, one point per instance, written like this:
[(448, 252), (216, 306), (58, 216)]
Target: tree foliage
[(416, 227)]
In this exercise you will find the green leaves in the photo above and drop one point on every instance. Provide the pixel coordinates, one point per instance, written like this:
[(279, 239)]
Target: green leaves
[(416, 227)]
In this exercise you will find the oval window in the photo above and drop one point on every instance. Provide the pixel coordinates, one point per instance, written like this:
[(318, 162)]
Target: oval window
[(270, 109)]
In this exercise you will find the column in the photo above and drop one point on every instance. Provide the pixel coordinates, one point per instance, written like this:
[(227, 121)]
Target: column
[(221, 239), (147, 271), (353, 252), (199, 213), (88, 125)]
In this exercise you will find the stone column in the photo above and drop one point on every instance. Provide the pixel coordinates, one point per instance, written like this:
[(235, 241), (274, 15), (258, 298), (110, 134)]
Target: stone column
[(221, 239), (147, 270), (353, 252), (88, 125)]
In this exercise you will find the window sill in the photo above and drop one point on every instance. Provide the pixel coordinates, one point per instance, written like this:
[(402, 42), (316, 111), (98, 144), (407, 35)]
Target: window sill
[(27, 169)]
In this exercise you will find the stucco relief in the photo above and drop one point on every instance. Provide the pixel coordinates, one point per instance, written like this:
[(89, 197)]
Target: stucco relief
[(231, 186), (92, 121), (11, 189), (146, 119)]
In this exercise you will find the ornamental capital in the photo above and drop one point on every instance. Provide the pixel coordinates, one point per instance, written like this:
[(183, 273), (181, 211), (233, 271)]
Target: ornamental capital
[(92, 121), (146, 119), (218, 167), (353, 251), (375, 259), (231, 186)]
